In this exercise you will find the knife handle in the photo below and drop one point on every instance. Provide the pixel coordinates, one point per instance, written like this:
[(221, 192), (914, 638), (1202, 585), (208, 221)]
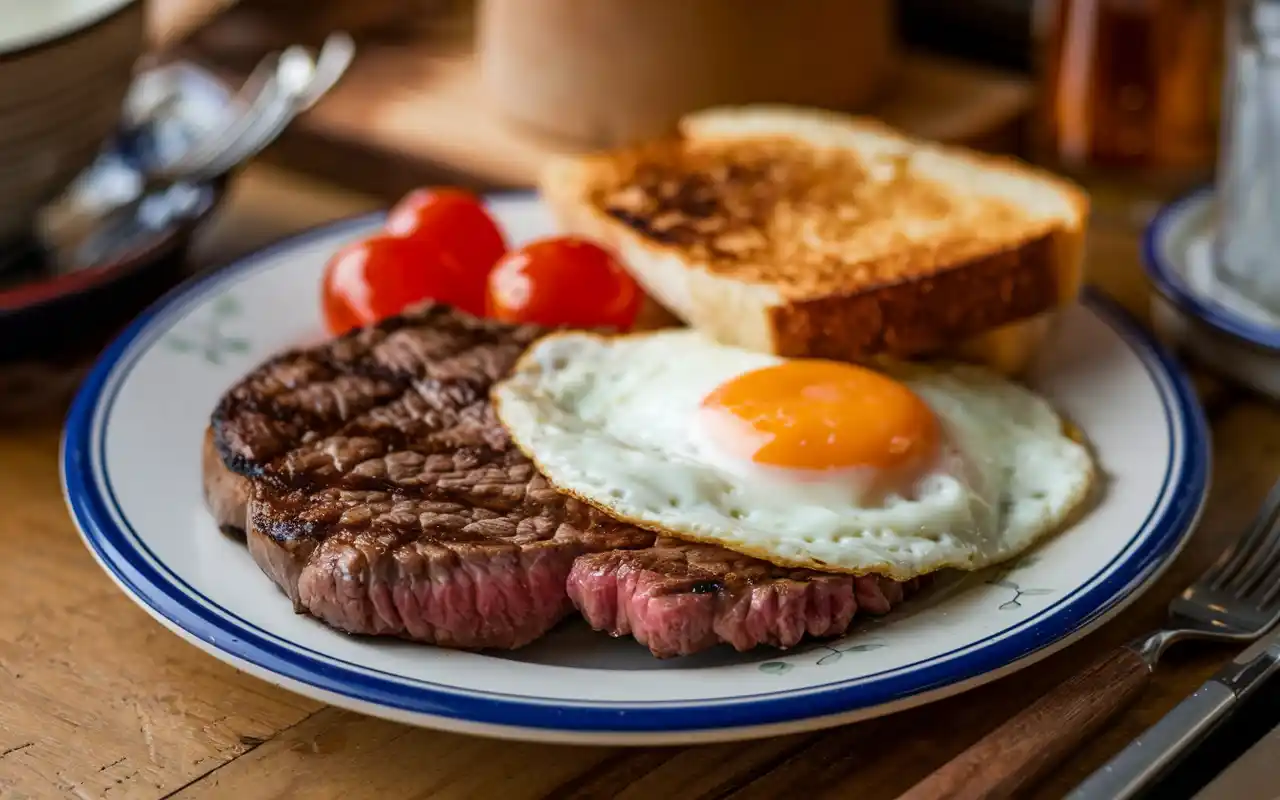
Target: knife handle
[(1022, 750)]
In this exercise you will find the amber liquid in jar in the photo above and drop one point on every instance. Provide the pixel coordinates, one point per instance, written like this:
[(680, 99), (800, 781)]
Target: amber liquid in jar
[(1130, 87)]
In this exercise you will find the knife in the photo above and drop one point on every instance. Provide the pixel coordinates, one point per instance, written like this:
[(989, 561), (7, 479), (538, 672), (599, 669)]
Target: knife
[(1160, 746)]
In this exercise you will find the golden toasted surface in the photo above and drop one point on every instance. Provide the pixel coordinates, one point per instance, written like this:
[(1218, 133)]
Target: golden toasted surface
[(810, 221)]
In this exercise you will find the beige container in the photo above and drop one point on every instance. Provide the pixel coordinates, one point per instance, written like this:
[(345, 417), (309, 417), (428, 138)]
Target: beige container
[(605, 72)]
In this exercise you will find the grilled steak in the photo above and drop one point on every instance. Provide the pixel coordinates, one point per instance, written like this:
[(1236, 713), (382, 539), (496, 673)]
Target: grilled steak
[(376, 486), (379, 491), (678, 598)]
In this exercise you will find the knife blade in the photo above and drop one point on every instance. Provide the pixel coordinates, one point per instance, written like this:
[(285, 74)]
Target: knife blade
[(1159, 747)]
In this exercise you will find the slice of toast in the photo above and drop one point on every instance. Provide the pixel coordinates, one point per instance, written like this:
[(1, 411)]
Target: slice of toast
[(810, 233)]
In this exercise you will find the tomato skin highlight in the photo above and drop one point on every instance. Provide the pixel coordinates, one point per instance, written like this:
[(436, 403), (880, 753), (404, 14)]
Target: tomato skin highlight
[(437, 244), (453, 220), (379, 277), (563, 280), (441, 244)]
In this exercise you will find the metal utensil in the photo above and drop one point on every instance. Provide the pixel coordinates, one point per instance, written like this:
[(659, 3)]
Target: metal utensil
[(294, 85), (1160, 746), (336, 55), (251, 97), (1236, 600), (163, 188), (281, 102), (300, 83), (284, 86)]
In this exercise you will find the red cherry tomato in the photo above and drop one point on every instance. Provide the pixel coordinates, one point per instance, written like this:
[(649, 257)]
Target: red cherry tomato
[(563, 281), (377, 277), (454, 221)]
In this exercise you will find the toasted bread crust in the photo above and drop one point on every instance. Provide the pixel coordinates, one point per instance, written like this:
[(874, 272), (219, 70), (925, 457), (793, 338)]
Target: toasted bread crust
[(738, 232), (918, 317)]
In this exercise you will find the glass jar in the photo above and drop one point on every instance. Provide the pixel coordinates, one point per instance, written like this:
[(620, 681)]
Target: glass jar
[(1130, 88), (1248, 185)]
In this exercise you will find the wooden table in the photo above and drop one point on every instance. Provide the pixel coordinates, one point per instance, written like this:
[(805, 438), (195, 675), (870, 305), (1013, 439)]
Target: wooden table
[(99, 701)]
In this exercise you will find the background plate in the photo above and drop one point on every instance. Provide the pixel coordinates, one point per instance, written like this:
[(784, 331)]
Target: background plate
[(131, 470)]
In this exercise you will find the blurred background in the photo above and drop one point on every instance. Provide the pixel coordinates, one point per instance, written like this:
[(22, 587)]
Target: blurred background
[(112, 107), (1084, 85), (146, 141)]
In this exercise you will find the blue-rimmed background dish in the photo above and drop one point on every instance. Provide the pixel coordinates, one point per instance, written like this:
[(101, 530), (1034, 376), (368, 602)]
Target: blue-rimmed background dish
[(132, 478), (1193, 311)]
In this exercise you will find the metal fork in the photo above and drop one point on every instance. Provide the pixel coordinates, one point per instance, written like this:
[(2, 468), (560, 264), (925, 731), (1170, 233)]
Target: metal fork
[(297, 82), (1236, 600), (249, 100), (281, 87)]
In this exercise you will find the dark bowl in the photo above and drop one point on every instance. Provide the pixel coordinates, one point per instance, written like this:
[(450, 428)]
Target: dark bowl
[(58, 304)]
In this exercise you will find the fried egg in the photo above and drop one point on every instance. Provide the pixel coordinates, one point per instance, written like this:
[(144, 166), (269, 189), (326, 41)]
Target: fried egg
[(801, 462)]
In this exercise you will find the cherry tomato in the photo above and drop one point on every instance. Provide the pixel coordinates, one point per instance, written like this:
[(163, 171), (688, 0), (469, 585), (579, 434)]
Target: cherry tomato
[(377, 277), (454, 221), (563, 281)]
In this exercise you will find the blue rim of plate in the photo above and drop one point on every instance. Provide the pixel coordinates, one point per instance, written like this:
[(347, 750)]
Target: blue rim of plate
[(121, 552), (1173, 286)]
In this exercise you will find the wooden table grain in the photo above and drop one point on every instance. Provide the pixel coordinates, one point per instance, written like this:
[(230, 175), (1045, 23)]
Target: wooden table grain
[(99, 701)]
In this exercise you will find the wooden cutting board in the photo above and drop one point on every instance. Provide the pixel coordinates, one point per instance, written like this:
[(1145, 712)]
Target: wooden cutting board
[(415, 112)]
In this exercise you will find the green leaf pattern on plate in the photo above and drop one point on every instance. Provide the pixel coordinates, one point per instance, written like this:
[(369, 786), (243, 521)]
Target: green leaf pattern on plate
[(1001, 580), (776, 667), (210, 339), (828, 655)]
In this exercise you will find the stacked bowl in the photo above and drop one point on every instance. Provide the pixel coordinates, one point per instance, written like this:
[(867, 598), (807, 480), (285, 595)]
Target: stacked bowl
[(65, 68)]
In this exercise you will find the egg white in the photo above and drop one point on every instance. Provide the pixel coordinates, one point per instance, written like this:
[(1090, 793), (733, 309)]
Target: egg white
[(615, 422)]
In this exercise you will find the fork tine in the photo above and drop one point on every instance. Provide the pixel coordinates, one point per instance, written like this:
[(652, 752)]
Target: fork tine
[(1269, 599), (264, 130), (1260, 571), (336, 54), (250, 97), (1261, 561), (1239, 554)]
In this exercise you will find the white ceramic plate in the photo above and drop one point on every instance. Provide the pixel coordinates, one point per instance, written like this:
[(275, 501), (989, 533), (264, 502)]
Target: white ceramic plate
[(131, 468)]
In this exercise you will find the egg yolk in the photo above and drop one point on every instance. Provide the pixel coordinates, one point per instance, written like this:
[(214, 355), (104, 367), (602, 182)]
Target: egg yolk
[(821, 415)]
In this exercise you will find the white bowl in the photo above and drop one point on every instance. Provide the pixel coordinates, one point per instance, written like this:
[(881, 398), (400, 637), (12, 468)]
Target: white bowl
[(65, 68)]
